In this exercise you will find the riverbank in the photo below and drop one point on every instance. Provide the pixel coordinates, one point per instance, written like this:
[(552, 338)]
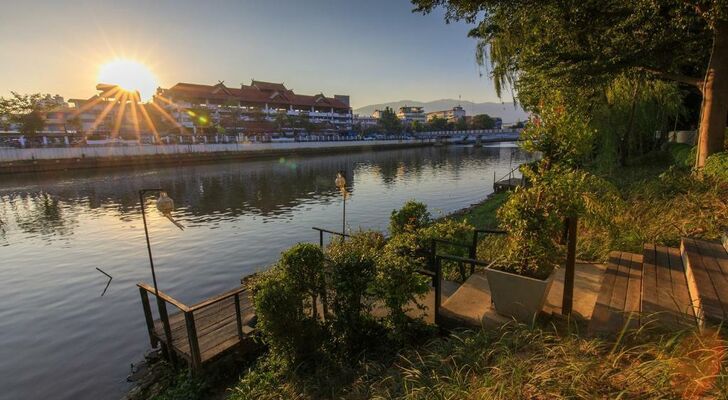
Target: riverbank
[(490, 363), (14, 161)]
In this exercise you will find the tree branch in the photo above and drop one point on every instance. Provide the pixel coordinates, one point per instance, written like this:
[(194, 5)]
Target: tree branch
[(690, 80)]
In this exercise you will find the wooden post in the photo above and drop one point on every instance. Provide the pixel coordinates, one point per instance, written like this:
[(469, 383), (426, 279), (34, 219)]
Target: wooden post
[(238, 317), (162, 307), (148, 317), (192, 339), (321, 239), (568, 299), (438, 288)]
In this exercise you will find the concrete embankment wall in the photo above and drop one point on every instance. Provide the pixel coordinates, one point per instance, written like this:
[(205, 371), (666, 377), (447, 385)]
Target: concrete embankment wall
[(58, 159)]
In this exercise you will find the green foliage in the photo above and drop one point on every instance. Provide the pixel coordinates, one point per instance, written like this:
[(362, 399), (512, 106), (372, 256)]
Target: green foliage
[(352, 273), (398, 284), (389, 123), (716, 166), (453, 231), (484, 215), (304, 265), (437, 124), (560, 136), (482, 121), (682, 154), (412, 216), (286, 326), (534, 217)]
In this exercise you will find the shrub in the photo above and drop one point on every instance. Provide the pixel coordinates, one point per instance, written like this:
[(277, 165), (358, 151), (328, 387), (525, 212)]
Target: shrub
[(716, 166), (398, 284), (352, 274), (289, 331), (682, 154), (454, 231), (304, 266), (411, 217)]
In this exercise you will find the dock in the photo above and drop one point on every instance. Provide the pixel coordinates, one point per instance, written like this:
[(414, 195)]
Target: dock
[(201, 332)]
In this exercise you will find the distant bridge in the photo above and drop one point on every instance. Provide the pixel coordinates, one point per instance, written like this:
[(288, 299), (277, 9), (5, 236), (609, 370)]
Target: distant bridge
[(471, 135)]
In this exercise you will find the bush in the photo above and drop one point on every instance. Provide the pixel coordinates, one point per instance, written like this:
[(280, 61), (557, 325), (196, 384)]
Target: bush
[(304, 266), (411, 217), (286, 327), (352, 272), (682, 154), (398, 284), (454, 231), (716, 167)]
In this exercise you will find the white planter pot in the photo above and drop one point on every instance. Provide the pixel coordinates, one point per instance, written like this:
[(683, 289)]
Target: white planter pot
[(518, 296)]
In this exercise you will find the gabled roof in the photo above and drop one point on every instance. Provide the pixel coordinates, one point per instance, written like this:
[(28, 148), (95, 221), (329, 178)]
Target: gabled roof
[(268, 86), (253, 93)]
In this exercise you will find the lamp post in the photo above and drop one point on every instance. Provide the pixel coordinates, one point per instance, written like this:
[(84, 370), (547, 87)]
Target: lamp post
[(341, 184), (165, 204)]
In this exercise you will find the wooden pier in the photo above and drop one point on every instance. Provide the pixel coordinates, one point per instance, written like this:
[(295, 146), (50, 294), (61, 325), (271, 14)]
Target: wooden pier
[(201, 332)]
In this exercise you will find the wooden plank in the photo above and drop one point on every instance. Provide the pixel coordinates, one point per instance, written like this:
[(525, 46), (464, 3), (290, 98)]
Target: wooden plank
[(600, 316), (680, 290), (634, 291), (649, 302), (664, 281), (708, 297), (619, 295), (720, 281)]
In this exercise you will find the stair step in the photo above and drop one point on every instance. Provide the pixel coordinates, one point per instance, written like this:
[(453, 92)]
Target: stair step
[(470, 305), (620, 294), (706, 269), (666, 296)]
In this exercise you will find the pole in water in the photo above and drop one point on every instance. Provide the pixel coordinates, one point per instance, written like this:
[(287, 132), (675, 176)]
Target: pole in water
[(107, 283)]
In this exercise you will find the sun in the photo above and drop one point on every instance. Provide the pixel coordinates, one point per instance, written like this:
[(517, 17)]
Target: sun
[(129, 75)]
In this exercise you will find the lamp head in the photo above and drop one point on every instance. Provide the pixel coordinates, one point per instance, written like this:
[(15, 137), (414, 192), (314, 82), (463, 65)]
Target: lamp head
[(340, 180), (165, 204)]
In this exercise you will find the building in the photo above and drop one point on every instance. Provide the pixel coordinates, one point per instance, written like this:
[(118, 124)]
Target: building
[(453, 115), (254, 108), (366, 121), (409, 115)]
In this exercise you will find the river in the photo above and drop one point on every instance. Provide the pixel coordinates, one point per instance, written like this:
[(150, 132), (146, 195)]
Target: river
[(60, 339)]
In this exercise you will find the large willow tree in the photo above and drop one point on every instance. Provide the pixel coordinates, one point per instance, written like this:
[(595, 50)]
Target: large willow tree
[(579, 46)]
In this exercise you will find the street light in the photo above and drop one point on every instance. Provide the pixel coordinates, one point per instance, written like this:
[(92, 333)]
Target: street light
[(165, 205), (341, 184)]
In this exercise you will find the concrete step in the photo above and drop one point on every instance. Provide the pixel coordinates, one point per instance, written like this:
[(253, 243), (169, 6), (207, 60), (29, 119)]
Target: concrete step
[(470, 306), (706, 270)]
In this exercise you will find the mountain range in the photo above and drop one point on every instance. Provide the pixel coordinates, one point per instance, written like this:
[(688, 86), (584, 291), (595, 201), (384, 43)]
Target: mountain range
[(507, 111)]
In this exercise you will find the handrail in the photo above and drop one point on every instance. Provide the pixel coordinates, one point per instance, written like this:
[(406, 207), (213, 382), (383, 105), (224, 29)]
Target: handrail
[(463, 260), (218, 298), (161, 295), (452, 243), (509, 174), (331, 232)]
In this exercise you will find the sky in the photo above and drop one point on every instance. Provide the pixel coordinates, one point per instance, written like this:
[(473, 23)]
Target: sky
[(373, 50)]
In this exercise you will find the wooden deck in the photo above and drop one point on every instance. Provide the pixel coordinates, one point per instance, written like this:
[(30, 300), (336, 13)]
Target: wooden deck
[(201, 332), (671, 287), (507, 184)]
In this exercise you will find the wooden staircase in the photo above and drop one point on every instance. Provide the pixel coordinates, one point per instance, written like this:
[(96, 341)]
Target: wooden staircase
[(671, 287)]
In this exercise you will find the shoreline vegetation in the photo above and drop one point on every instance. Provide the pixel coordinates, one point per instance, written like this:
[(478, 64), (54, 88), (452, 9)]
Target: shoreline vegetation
[(659, 201)]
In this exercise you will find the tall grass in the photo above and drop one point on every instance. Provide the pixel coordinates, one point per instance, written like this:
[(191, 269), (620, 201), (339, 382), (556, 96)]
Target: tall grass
[(518, 362)]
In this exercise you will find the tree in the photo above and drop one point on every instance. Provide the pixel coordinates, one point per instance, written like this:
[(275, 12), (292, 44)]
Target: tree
[(438, 124), (580, 46), (232, 114), (483, 121), (389, 123), (74, 124), (461, 124), (26, 110)]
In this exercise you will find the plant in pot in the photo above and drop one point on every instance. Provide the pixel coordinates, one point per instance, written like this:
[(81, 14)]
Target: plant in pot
[(520, 280)]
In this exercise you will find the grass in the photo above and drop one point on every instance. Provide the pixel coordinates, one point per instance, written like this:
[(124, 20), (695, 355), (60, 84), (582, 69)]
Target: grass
[(483, 215), (518, 361)]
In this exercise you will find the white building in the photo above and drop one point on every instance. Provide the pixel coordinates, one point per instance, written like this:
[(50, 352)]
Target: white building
[(409, 115), (452, 115)]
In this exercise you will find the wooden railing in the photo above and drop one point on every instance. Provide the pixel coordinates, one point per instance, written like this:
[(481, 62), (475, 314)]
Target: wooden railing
[(189, 314)]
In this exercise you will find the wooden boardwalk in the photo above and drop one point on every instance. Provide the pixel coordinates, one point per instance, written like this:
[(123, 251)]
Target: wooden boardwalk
[(671, 287), (201, 332)]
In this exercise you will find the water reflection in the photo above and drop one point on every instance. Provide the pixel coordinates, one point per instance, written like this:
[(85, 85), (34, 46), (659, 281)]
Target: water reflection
[(225, 191)]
